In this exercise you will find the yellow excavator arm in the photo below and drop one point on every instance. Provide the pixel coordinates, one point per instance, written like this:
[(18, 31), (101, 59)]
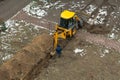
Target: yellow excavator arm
[(68, 26)]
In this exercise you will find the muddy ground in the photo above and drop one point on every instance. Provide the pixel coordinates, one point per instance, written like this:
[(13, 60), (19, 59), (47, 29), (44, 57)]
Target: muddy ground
[(9, 8), (18, 34), (95, 62), (92, 62)]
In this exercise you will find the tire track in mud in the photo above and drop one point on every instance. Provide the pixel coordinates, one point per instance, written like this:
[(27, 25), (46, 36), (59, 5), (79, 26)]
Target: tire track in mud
[(110, 8), (95, 12), (40, 22), (87, 5)]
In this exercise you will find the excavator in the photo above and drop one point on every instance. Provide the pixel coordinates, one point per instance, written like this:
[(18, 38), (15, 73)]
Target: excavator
[(69, 24)]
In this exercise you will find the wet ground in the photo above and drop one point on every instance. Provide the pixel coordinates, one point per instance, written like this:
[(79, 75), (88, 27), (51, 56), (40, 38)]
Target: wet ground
[(8, 8), (103, 14), (91, 62), (18, 34)]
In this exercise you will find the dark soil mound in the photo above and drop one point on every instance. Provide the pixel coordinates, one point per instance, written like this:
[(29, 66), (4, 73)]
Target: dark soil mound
[(30, 58)]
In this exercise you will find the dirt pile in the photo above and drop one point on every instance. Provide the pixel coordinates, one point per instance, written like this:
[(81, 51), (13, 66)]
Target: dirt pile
[(98, 40), (97, 29), (28, 61)]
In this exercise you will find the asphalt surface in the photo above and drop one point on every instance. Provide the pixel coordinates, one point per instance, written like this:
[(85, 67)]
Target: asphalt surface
[(8, 8)]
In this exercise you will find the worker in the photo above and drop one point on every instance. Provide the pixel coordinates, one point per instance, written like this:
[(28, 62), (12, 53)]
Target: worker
[(58, 51)]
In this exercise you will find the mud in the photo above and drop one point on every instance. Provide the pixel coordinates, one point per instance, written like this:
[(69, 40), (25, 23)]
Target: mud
[(27, 61), (97, 29), (99, 40), (94, 64)]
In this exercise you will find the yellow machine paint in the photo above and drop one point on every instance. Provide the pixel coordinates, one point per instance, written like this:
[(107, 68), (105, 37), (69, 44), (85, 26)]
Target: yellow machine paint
[(67, 14), (67, 27)]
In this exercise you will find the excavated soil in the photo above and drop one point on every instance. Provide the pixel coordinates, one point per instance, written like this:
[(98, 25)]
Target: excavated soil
[(90, 66), (28, 61), (97, 29), (98, 58)]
